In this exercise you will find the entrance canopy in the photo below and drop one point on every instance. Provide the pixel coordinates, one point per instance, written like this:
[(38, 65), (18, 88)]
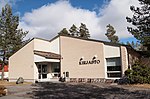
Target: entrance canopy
[(48, 55), (42, 56)]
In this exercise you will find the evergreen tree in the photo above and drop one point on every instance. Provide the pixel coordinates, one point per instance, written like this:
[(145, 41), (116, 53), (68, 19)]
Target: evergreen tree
[(11, 38), (111, 34), (128, 43), (141, 20), (137, 46), (74, 31), (64, 32), (138, 74), (83, 31), (133, 44)]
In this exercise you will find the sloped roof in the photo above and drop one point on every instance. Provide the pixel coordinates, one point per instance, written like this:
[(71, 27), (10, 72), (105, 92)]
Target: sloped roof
[(48, 55), (93, 40)]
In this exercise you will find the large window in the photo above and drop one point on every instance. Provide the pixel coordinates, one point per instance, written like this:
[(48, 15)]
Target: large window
[(55, 67), (113, 67)]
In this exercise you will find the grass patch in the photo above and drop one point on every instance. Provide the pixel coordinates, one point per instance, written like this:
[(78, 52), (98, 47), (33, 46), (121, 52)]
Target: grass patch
[(142, 85), (6, 83)]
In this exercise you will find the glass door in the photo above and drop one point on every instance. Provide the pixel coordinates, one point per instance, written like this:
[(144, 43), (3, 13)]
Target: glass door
[(42, 70)]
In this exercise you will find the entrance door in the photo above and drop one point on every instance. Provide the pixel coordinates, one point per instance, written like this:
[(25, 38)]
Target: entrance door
[(42, 69)]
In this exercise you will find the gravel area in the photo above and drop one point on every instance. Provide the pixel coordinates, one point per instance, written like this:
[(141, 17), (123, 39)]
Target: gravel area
[(49, 90), (19, 91)]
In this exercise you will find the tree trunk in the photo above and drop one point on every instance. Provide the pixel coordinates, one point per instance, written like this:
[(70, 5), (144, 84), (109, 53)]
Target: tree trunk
[(3, 64)]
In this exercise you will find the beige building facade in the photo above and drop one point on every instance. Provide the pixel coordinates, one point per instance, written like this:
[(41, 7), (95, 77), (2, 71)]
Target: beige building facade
[(74, 58)]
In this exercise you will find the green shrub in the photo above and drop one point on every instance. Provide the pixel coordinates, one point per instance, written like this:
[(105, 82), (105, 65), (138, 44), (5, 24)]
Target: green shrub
[(138, 74), (128, 71)]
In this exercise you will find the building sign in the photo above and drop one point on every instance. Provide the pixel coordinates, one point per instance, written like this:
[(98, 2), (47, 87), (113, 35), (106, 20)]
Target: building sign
[(85, 62)]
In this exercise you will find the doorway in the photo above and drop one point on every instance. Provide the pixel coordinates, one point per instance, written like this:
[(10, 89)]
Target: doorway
[(42, 70)]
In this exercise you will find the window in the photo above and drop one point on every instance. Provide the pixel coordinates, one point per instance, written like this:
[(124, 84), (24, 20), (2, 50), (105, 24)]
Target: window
[(55, 67), (113, 67), (114, 74), (44, 69)]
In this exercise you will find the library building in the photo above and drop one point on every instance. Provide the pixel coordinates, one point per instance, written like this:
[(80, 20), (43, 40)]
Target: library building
[(75, 59)]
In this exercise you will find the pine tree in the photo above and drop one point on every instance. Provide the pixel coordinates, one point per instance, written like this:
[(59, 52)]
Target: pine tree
[(74, 31), (128, 43), (83, 31), (141, 20), (133, 44), (11, 37), (64, 32), (111, 34)]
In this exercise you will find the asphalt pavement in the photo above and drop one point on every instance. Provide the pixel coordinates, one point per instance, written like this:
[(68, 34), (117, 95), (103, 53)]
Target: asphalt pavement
[(49, 90)]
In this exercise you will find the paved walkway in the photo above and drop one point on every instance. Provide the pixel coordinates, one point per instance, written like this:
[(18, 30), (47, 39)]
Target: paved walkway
[(18, 91), (49, 90), (13, 97)]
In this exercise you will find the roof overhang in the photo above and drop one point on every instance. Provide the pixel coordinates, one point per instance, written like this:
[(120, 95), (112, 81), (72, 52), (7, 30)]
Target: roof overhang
[(47, 55)]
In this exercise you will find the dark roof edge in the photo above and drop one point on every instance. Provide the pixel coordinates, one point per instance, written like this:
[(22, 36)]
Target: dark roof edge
[(54, 38), (105, 42), (40, 39), (35, 38), (29, 42)]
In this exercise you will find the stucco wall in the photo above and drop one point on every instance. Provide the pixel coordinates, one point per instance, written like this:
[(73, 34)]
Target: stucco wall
[(41, 45), (111, 51), (124, 59), (72, 50), (44, 45), (54, 46), (21, 63)]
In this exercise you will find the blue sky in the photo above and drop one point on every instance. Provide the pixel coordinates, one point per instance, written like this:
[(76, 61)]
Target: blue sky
[(27, 5), (45, 18), (24, 6)]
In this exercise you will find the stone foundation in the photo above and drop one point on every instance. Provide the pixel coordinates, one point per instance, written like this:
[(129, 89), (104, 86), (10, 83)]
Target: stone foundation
[(88, 80)]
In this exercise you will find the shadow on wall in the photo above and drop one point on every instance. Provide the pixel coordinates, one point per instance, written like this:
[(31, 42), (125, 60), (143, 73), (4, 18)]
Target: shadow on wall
[(84, 91)]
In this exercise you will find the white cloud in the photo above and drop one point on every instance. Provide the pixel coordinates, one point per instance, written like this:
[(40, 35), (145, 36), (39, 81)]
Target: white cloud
[(4, 2), (115, 13), (47, 21)]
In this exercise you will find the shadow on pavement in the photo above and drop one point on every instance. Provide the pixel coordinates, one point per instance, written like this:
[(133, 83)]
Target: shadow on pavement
[(84, 91)]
